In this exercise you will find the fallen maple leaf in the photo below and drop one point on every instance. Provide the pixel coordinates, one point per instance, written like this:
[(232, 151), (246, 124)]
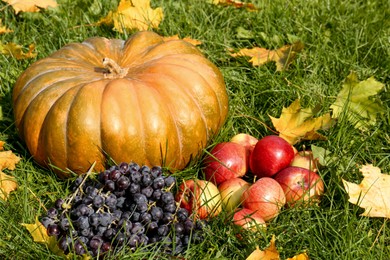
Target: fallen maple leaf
[(236, 4), (134, 14), (187, 39), (4, 29), (372, 194), (30, 5), (8, 160), (39, 235), (354, 97), (270, 253), (7, 184), (296, 124), (16, 51), (302, 256), (282, 56)]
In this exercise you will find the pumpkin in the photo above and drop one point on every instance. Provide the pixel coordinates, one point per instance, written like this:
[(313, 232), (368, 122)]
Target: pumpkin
[(147, 100)]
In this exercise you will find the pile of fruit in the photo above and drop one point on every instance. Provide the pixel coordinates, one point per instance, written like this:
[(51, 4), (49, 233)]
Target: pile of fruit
[(254, 179), (125, 205)]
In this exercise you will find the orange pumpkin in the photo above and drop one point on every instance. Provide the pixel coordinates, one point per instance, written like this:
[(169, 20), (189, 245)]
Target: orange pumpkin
[(146, 100)]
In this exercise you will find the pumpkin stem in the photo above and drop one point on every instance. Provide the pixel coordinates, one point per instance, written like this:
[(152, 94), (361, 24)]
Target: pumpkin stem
[(113, 70)]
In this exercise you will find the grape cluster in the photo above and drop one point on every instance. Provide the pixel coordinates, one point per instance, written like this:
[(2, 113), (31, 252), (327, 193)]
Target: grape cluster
[(126, 205)]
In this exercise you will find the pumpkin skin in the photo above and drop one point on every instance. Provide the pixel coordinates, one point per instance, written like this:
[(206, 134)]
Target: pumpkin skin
[(153, 102)]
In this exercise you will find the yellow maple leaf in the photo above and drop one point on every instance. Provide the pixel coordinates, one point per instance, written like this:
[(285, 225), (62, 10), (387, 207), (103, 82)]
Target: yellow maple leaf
[(134, 14), (7, 184), (296, 123), (4, 29), (30, 5), (372, 194), (16, 51), (270, 253), (8, 160), (282, 56), (236, 4), (186, 39), (302, 256)]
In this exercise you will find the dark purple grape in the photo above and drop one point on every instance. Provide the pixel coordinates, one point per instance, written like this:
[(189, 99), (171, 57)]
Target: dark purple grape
[(182, 214), (106, 246), (135, 177), (156, 195), (123, 183), (123, 167), (105, 219), (64, 223), (82, 222), (137, 228), (156, 171), (111, 201), (171, 207), (134, 188), (152, 226), (179, 229), (109, 233), (98, 201), (135, 216), (120, 239), (188, 226), (87, 200), (156, 213), (79, 248), (167, 198), (115, 175), (158, 183), (163, 230), (104, 176), (168, 217), (91, 191), (142, 207), (94, 219), (109, 185), (134, 241), (53, 230), (145, 218), (169, 181), (147, 191), (120, 202), (52, 213), (96, 242), (64, 244), (140, 198)]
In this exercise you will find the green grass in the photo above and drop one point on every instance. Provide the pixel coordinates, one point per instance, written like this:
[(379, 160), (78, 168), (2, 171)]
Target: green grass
[(340, 36)]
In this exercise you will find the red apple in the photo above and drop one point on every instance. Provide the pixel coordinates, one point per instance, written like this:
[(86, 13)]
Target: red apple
[(249, 219), (305, 159), (271, 154), (227, 160), (200, 198), (231, 192), (301, 186), (266, 197), (246, 140)]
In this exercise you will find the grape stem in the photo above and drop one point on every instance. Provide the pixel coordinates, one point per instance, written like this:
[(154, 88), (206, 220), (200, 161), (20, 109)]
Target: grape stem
[(79, 188)]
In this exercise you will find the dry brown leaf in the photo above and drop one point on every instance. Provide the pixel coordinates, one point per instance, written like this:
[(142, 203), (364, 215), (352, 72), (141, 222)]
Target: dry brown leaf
[(236, 4), (16, 51), (302, 256), (8, 160), (134, 14), (282, 56), (372, 194), (30, 5), (187, 39), (296, 123), (4, 29), (270, 253)]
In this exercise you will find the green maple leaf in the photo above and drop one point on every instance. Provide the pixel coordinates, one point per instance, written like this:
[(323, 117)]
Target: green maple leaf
[(355, 98)]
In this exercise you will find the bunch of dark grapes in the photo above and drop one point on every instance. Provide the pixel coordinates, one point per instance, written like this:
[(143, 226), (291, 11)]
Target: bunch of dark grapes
[(126, 205)]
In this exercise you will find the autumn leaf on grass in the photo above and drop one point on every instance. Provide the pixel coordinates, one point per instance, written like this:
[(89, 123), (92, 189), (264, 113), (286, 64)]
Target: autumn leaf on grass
[(30, 5), (282, 56), (187, 39), (236, 4), (355, 98), (8, 160), (269, 253), (16, 51), (134, 14), (3, 28), (372, 194), (296, 124), (302, 256), (39, 235)]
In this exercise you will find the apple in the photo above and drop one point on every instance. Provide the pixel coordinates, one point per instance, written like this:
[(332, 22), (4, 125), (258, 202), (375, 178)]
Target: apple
[(305, 159), (231, 193), (266, 197), (246, 140), (300, 185), (249, 219), (270, 155), (227, 160), (200, 198)]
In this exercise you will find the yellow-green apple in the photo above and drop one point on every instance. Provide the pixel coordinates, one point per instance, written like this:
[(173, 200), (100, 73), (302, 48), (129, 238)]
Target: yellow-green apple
[(226, 160), (200, 198), (249, 219), (301, 186), (246, 140), (231, 193), (271, 154), (305, 159), (266, 197)]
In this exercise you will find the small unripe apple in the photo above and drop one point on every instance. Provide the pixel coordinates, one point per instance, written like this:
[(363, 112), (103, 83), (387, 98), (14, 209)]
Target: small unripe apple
[(301, 186), (271, 154), (266, 197), (305, 159), (227, 160), (231, 193), (200, 198), (249, 219)]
